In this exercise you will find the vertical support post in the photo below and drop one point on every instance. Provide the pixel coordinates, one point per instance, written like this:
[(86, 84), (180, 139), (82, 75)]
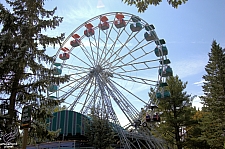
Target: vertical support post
[(25, 133)]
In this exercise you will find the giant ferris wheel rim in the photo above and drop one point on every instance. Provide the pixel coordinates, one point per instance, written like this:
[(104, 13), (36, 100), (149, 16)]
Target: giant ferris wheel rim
[(104, 89), (95, 18)]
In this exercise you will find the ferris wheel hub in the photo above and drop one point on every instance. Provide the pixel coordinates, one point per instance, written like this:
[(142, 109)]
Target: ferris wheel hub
[(98, 69)]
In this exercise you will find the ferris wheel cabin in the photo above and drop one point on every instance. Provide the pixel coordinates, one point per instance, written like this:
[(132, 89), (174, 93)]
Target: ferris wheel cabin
[(76, 41), (104, 24)]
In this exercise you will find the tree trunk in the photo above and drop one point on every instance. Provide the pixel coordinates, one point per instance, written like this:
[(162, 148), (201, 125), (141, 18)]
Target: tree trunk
[(177, 137), (12, 98)]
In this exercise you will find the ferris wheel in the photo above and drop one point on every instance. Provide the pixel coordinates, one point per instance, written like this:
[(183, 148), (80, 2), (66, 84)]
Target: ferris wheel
[(112, 60)]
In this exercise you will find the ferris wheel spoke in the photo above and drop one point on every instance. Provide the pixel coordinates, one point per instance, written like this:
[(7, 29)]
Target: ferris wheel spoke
[(98, 44), (109, 50), (88, 55), (112, 52), (76, 68), (107, 33), (81, 59), (73, 81), (136, 67), (75, 87), (136, 70), (88, 97), (121, 106), (112, 47), (91, 102), (123, 98), (124, 104), (99, 50), (135, 49), (116, 122), (116, 53), (129, 92), (135, 79), (110, 111), (82, 92), (114, 42), (145, 63), (92, 50)]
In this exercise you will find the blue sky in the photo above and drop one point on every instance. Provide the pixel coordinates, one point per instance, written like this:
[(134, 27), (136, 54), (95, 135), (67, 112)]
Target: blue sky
[(188, 30)]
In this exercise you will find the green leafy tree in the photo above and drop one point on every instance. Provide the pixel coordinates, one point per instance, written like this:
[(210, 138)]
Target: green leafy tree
[(100, 132), (142, 5), (23, 72), (213, 123), (176, 114)]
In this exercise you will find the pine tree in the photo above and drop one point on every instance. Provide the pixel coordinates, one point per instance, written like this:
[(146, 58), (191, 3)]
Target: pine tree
[(176, 114), (23, 72), (100, 132), (194, 132), (213, 125)]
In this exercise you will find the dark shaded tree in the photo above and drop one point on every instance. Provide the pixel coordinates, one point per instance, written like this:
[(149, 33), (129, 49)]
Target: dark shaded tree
[(142, 5), (194, 132), (24, 77), (176, 114), (100, 132), (213, 123)]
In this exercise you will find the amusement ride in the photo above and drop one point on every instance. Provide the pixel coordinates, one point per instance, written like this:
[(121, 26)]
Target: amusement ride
[(110, 59)]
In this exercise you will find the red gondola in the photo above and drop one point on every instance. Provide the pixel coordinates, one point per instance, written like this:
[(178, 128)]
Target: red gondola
[(119, 23), (65, 49), (76, 41), (156, 117), (64, 56), (104, 25), (89, 31)]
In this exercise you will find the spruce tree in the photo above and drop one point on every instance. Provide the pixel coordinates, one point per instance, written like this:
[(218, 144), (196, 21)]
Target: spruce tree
[(25, 70), (100, 132), (176, 114), (194, 132), (213, 124)]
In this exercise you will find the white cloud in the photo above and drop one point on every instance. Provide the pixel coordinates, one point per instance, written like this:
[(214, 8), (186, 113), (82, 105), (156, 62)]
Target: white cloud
[(100, 4), (82, 12), (200, 83), (188, 67)]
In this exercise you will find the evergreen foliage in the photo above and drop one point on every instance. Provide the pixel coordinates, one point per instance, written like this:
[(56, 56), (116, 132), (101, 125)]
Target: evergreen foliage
[(194, 132), (24, 71), (143, 5), (213, 122), (100, 132), (176, 114)]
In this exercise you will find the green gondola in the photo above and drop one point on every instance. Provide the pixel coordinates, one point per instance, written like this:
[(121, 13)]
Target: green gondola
[(53, 88), (168, 72), (136, 28), (158, 52), (160, 42), (149, 27), (135, 19), (57, 71)]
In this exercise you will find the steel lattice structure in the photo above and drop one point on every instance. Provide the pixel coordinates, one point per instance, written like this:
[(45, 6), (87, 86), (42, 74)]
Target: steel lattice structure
[(107, 65)]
